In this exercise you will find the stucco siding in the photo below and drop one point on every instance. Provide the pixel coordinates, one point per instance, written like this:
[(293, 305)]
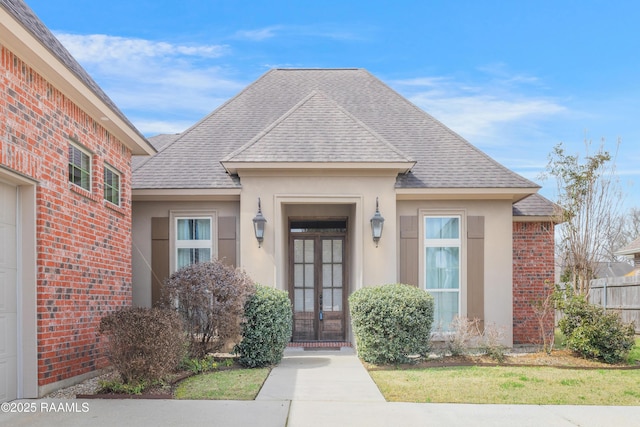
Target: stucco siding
[(143, 212), (498, 258)]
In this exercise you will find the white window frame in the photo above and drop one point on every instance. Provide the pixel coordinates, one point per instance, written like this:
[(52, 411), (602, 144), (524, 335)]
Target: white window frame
[(90, 171), (119, 175), (176, 244), (460, 243)]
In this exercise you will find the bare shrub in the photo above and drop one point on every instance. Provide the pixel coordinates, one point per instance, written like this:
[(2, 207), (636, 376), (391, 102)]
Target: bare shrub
[(544, 312), (463, 336), (492, 342), (144, 344), (210, 297)]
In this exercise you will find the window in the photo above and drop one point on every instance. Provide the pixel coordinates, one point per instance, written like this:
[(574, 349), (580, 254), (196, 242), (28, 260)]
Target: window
[(79, 167), (193, 240), (442, 251), (111, 185)]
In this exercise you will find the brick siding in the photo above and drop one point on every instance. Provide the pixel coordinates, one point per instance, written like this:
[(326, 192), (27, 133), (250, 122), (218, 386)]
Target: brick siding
[(83, 242), (533, 265)]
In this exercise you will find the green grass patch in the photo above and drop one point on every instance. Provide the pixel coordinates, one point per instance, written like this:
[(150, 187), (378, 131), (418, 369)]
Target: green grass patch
[(235, 384), (510, 385), (634, 355)]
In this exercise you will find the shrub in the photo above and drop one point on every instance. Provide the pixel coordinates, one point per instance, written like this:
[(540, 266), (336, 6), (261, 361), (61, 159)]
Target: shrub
[(266, 329), (464, 333), (210, 297), (491, 343), (145, 344), (391, 322), (593, 332)]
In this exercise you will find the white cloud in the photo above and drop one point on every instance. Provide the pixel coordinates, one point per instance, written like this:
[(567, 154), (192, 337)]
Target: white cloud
[(155, 79), (481, 110), (325, 31), (258, 34), (481, 116), (101, 47), (155, 127)]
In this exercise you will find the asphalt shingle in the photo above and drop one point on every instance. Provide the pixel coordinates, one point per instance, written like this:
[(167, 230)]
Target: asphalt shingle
[(535, 205), (370, 113)]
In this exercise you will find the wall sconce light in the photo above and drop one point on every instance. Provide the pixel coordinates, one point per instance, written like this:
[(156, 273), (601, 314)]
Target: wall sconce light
[(258, 225), (377, 222)]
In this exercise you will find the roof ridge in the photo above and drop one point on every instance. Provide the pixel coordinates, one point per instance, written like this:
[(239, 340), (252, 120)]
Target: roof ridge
[(449, 130), (226, 103)]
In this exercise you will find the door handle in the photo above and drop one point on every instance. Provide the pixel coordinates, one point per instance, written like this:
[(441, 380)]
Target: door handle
[(320, 308)]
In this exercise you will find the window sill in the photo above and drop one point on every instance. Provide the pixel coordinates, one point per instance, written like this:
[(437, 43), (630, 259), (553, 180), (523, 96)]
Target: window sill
[(84, 193), (116, 208)]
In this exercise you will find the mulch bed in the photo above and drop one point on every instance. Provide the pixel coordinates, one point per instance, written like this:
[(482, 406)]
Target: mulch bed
[(157, 392), (562, 359)]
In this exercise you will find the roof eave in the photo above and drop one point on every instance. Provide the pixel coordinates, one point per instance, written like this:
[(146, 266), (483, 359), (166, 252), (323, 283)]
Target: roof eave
[(179, 194), (398, 167), (15, 37), (450, 193)]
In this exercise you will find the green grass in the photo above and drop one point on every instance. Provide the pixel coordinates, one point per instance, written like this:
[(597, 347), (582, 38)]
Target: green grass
[(236, 384), (634, 355), (510, 385)]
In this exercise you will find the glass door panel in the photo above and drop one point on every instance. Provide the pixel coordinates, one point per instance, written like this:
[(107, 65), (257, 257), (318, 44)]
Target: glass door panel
[(317, 282)]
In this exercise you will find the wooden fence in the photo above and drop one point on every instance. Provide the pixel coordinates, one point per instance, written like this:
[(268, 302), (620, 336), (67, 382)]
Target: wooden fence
[(621, 294)]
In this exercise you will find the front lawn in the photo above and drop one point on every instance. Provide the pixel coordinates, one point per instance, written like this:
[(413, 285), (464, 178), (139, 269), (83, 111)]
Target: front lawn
[(511, 385), (235, 384)]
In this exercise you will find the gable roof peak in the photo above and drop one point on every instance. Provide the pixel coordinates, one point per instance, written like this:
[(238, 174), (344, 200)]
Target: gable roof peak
[(317, 129)]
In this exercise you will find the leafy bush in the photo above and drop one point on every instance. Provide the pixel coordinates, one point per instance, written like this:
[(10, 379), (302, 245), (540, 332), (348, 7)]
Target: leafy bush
[(391, 322), (593, 332), (210, 297), (145, 344), (266, 329)]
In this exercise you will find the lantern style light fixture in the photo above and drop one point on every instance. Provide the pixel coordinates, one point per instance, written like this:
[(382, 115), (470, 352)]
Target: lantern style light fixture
[(258, 225), (377, 222)]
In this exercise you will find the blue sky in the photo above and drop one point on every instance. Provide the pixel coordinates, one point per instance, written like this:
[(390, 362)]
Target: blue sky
[(513, 78)]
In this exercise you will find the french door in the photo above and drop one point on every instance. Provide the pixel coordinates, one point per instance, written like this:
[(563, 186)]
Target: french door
[(317, 285)]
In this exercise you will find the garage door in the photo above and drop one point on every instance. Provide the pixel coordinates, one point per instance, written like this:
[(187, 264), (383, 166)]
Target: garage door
[(8, 296)]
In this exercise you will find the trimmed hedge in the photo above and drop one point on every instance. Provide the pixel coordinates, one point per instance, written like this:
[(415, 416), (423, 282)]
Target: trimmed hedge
[(266, 328), (593, 332), (145, 344), (391, 322)]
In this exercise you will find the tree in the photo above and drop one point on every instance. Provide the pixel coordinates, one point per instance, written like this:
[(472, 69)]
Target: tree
[(590, 199)]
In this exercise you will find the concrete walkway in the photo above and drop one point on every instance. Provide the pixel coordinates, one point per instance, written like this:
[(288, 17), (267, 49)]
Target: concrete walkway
[(311, 388)]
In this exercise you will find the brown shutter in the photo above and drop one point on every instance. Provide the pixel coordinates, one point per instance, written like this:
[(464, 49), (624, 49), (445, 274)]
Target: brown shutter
[(227, 240), (409, 250), (159, 256), (475, 268)]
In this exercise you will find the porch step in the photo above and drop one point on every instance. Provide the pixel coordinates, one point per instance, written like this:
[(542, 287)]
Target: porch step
[(319, 345)]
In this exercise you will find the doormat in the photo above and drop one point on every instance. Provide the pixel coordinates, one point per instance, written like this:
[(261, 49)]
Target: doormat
[(320, 345), (321, 348)]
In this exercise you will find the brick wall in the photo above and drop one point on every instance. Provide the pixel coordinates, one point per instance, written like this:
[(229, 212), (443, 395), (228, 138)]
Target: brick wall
[(83, 242), (533, 265)]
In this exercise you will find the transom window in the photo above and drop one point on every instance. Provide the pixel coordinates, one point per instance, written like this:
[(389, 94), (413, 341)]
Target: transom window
[(442, 247), (193, 240), (79, 167), (111, 185)]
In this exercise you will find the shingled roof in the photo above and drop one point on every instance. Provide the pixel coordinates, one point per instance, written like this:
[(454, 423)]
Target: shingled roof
[(284, 116), (631, 249)]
